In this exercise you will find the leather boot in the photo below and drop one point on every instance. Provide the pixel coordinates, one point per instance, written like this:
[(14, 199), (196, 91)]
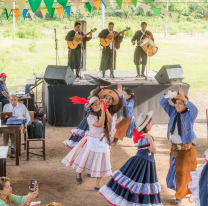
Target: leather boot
[(103, 74), (138, 70), (143, 70), (112, 74)]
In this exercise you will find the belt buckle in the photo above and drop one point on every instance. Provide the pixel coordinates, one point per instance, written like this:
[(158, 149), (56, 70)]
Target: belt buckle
[(178, 147)]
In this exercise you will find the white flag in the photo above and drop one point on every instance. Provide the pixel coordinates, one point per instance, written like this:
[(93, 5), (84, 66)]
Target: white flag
[(74, 9), (1, 11), (174, 16), (193, 13), (8, 5), (76, 3), (31, 13), (21, 5), (81, 8), (91, 2), (146, 8), (166, 12), (106, 2), (138, 5), (111, 2)]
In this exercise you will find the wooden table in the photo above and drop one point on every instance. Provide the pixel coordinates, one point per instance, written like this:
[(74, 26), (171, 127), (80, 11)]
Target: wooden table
[(16, 130), (3, 157)]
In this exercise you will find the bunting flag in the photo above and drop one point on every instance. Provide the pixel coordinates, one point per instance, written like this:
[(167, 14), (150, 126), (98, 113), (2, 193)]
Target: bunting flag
[(74, 9), (134, 2), (119, 2), (81, 9), (138, 4), (111, 2), (126, 2), (52, 12), (34, 4), (68, 9), (43, 11), (89, 7), (150, 1), (76, 3), (166, 12), (106, 2), (146, 8), (16, 13), (156, 11), (174, 16), (62, 2), (49, 4), (8, 5), (8, 15), (1, 9), (21, 5), (204, 17), (193, 13), (91, 2), (59, 11), (24, 13), (31, 13), (97, 4)]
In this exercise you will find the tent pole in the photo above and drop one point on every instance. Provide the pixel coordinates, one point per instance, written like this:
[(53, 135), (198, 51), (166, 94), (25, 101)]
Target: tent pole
[(166, 26), (13, 16), (103, 16)]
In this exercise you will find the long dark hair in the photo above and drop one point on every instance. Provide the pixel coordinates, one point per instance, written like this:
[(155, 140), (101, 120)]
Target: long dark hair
[(145, 128), (106, 123)]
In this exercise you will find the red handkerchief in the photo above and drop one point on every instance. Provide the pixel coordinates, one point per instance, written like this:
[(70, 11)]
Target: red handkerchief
[(105, 106), (137, 136)]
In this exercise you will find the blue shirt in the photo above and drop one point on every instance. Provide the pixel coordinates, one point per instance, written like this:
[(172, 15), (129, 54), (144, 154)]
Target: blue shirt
[(128, 108), (3, 87), (187, 119)]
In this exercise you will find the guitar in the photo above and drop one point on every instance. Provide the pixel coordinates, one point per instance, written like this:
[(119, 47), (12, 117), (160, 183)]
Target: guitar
[(73, 44), (110, 37)]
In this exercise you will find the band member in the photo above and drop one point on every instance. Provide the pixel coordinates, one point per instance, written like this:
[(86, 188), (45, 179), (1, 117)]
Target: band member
[(139, 53), (182, 153), (108, 52), (75, 55)]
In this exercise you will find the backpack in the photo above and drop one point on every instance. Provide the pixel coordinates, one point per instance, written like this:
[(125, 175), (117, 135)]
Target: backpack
[(35, 129)]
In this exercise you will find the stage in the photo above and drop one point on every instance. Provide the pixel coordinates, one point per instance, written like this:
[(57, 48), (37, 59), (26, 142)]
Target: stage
[(61, 112)]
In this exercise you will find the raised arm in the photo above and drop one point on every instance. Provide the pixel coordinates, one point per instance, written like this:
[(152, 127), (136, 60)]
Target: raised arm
[(192, 109), (109, 117), (101, 121), (166, 106)]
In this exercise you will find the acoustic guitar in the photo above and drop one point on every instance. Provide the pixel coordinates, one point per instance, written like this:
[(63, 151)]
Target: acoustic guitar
[(73, 44), (107, 41)]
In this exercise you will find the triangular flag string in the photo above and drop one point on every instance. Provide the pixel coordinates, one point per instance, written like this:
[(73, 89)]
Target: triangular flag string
[(24, 13), (97, 4), (49, 4), (156, 11), (74, 9), (193, 13), (1, 10), (52, 12), (68, 9), (119, 2), (76, 3), (104, 4), (81, 8), (43, 11), (16, 13), (134, 2), (63, 3), (89, 7), (8, 5), (8, 15), (126, 2), (174, 16), (31, 13), (21, 5), (34, 4), (166, 12), (59, 11), (146, 8)]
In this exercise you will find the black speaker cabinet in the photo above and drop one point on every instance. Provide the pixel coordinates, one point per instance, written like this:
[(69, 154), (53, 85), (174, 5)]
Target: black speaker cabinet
[(59, 75), (170, 74)]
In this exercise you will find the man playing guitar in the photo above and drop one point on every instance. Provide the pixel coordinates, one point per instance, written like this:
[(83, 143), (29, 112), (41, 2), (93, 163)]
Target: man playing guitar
[(107, 51), (139, 52), (75, 55)]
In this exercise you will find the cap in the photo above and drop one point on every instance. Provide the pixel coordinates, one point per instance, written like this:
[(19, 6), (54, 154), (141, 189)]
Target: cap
[(3, 75)]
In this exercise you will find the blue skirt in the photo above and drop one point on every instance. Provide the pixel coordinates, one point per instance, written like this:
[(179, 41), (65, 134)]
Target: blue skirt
[(78, 133), (131, 128), (135, 184)]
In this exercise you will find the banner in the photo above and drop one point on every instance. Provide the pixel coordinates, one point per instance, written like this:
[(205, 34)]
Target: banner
[(59, 11), (97, 4), (63, 3), (43, 11), (8, 5), (146, 8), (34, 4), (24, 13), (174, 16), (68, 9), (16, 13), (21, 5), (156, 11), (74, 9), (31, 13), (89, 7)]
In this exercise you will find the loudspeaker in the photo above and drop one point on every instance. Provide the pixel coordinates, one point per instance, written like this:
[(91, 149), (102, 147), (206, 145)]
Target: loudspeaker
[(59, 75), (170, 74)]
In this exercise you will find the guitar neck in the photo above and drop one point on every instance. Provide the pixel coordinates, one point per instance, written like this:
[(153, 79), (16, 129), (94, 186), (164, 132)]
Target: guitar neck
[(115, 35), (86, 34)]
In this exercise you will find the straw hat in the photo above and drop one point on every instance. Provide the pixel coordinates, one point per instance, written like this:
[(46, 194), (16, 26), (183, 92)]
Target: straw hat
[(91, 94), (92, 100), (111, 93), (142, 120)]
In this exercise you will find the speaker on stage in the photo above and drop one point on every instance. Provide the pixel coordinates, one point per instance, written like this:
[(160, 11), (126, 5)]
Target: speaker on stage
[(59, 75), (170, 74)]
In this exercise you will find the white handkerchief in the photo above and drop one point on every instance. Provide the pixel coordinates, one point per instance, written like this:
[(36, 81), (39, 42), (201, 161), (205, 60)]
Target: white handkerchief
[(171, 94)]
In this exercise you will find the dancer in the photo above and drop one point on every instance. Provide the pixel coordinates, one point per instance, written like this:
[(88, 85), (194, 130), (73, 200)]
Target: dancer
[(92, 154), (182, 154), (127, 125), (139, 53), (135, 183), (198, 184), (79, 132)]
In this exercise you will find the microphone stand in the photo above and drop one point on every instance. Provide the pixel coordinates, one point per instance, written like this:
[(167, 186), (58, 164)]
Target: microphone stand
[(56, 46)]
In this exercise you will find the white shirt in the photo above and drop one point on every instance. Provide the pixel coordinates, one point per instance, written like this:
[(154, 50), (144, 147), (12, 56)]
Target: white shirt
[(19, 111), (111, 44), (175, 138)]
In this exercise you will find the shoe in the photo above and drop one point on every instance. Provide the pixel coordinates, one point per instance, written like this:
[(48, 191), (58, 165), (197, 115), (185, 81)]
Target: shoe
[(143, 70), (112, 75), (13, 153), (96, 188), (138, 75), (138, 70), (114, 142), (79, 181), (178, 202)]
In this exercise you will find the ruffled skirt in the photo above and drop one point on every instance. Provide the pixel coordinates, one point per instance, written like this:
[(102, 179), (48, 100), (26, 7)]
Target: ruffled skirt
[(135, 184), (82, 159)]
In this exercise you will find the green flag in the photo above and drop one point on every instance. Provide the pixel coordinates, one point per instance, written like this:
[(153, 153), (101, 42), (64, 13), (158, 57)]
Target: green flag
[(52, 12), (150, 1), (134, 2), (89, 7), (49, 4), (156, 11), (34, 4), (119, 2), (7, 13), (62, 2)]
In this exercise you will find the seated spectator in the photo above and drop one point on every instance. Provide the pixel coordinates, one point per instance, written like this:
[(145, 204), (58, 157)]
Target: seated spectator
[(4, 94), (18, 110), (7, 197), (55, 204)]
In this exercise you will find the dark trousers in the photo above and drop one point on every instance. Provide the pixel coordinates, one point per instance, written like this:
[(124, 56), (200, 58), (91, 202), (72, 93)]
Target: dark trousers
[(4, 101)]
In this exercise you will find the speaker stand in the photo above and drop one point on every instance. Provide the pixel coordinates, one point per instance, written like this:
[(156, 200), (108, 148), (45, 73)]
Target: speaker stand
[(56, 46)]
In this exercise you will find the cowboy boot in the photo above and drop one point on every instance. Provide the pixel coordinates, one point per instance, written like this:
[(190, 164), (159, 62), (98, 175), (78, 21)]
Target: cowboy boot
[(112, 73), (103, 74), (143, 70), (138, 70)]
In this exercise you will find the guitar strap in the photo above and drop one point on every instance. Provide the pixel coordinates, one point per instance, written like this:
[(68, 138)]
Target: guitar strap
[(143, 33), (111, 44)]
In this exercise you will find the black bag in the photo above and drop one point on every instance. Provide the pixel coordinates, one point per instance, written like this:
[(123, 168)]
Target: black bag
[(35, 129)]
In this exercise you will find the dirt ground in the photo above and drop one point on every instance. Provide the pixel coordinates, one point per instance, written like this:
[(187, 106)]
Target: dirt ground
[(57, 182)]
